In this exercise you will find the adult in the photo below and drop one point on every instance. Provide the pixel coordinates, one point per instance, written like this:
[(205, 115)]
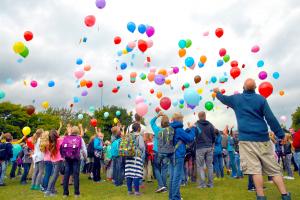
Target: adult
[(256, 150), (205, 140)]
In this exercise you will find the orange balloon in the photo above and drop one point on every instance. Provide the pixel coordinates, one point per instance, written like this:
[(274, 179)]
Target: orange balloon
[(163, 72), (213, 95), (151, 76), (167, 81), (203, 59), (159, 94), (133, 75), (87, 68), (281, 92), (181, 52), (82, 83)]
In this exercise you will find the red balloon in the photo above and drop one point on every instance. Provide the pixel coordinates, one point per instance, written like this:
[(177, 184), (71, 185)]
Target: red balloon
[(142, 45), (265, 89), (117, 40), (222, 52), (93, 122), (165, 103), (151, 91), (234, 63), (243, 65), (235, 72), (223, 91), (115, 90), (90, 20), (119, 77), (30, 109), (157, 109), (219, 32), (89, 84), (28, 35), (30, 143), (100, 84)]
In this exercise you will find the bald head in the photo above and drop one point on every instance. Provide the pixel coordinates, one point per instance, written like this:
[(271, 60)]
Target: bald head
[(250, 85), (202, 115)]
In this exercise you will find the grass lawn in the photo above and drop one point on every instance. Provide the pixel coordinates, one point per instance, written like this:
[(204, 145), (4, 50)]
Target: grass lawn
[(224, 190)]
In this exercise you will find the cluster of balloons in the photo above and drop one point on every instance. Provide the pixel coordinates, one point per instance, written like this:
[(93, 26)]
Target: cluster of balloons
[(20, 48), (142, 28), (143, 45), (235, 70), (182, 45), (141, 107)]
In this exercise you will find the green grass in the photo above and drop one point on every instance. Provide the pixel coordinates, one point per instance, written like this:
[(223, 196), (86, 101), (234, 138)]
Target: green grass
[(228, 189)]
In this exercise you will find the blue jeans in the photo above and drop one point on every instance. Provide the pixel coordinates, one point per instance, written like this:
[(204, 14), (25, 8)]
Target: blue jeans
[(232, 164), (238, 165), (26, 167), (297, 160), (14, 166), (3, 171), (161, 165), (48, 173), (175, 178), (71, 165), (218, 165), (56, 169), (118, 170), (250, 182), (136, 183), (96, 169)]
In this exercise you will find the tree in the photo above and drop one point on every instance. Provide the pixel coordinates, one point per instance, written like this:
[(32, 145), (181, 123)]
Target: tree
[(296, 119)]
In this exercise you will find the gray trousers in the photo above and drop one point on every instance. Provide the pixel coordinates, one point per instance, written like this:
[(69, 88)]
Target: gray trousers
[(205, 157), (55, 174), (288, 164), (38, 173)]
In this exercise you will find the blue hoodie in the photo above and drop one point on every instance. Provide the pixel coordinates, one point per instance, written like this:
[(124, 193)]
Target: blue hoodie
[(156, 129), (185, 136), (218, 145), (98, 144), (251, 111)]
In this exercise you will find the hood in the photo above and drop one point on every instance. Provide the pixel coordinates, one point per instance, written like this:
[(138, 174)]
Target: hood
[(203, 122), (249, 91), (176, 124)]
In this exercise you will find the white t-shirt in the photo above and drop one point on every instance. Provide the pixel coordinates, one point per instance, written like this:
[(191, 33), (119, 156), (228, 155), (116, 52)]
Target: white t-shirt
[(37, 154)]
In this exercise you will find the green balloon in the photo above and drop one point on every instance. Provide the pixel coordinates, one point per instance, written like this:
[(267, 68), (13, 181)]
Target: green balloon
[(143, 76), (188, 43), (226, 58), (181, 106), (209, 105), (25, 53), (186, 85)]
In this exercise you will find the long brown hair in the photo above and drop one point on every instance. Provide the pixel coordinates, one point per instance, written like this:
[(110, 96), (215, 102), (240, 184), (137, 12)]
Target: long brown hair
[(37, 135), (44, 144), (53, 136)]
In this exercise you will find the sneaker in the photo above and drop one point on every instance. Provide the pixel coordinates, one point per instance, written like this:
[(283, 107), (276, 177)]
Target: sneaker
[(32, 187), (160, 189), (290, 178), (165, 190), (137, 194), (252, 189), (261, 198), (76, 196), (210, 186), (201, 187), (130, 193), (286, 197), (23, 183), (37, 187)]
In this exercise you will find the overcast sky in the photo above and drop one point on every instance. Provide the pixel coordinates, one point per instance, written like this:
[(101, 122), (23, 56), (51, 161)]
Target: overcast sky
[(58, 26)]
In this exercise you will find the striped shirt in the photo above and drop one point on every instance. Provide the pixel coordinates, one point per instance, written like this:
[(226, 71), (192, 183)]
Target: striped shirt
[(134, 167)]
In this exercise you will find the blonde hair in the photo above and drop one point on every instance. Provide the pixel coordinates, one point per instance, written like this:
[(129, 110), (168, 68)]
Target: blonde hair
[(177, 117), (37, 135), (44, 145), (75, 130)]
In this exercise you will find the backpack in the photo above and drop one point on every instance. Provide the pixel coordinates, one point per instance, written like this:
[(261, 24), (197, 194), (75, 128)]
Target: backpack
[(3, 151), (91, 149), (128, 147), (70, 147), (166, 140)]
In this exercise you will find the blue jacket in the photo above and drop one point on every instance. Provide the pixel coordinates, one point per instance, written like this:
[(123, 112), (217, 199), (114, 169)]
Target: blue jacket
[(115, 148), (98, 144), (251, 111), (218, 145), (156, 129), (185, 136), (230, 143)]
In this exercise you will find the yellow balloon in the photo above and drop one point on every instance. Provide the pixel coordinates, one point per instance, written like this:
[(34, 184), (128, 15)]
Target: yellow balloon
[(116, 120), (26, 131), (45, 104), (18, 47), (124, 51), (200, 90)]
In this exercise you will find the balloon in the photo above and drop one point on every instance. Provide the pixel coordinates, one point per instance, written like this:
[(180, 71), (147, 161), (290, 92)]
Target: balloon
[(133, 75), (151, 76), (142, 28), (223, 91), (119, 77), (141, 109), (186, 85), (182, 44), (150, 31), (209, 105), (200, 64), (255, 49), (34, 84), (181, 101), (18, 47), (142, 45), (260, 63), (181, 106), (159, 79), (123, 66), (100, 4), (79, 61), (76, 100), (220, 63), (45, 104), (283, 118), (163, 72), (200, 91), (25, 53), (2, 94), (90, 20), (213, 95), (84, 93), (167, 81), (181, 52), (82, 83), (116, 120), (106, 114), (281, 92), (79, 74), (143, 76), (159, 94), (213, 79), (139, 99), (131, 27), (30, 109), (93, 122), (151, 91), (87, 68), (276, 75), (234, 63), (30, 143), (51, 84), (219, 32), (153, 69), (28, 36), (188, 43), (175, 103), (189, 61), (203, 59), (175, 70), (222, 52), (89, 84), (223, 79), (92, 109), (235, 72), (149, 43), (131, 45), (226, 58), (191, 97), (165, 103), (262, 75), (157, 109), (265, 89), (100, 84), (117, 40), (26, 131), (80, 116)]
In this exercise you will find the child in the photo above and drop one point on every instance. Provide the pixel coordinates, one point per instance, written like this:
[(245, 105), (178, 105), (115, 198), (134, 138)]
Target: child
[(107, 160), (98, 154), (16, 150), (218, 161), (25, 155), (44, 147), (148, 175), (6, 153), (90, 157), (134, 165), (287, 147)]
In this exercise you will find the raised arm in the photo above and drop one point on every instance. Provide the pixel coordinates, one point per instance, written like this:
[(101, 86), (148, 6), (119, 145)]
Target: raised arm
[(81, 130), (272, 121), (60, 126)]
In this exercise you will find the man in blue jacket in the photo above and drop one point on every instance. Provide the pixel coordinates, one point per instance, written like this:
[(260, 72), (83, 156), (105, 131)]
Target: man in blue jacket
[(256, 151), (181, 138)]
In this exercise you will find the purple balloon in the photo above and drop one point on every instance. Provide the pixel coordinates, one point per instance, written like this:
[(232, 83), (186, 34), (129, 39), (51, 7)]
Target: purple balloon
[(150, 31), (262, 75), (191, 106), (175, 70), (159, 79), (84, 93), (100, 4)]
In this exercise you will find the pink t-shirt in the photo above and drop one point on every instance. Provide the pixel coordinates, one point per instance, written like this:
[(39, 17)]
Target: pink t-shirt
[(57, 157), (47, 155)]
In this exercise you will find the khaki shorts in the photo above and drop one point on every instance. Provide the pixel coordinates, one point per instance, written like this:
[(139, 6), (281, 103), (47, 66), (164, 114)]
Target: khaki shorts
[(259, 158)]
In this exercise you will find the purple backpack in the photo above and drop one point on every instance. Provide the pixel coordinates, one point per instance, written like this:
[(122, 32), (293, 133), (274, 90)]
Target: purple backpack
[(70, 147)]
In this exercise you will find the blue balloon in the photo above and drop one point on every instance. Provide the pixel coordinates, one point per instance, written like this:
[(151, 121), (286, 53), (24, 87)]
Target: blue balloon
[(276, 75), (128, 49), (76, 100), (191, 97), (260, 63), (51, 84), (119, 53), (123, 66), (79, 61), (189, 61), (223, 79), (182, 44), (220, 63), (175, 103), (181, 101), (131, 26), (106, 114), (118, 113), (84, 39), (142, 28), (80, 116), (200, 64), (213, 79)]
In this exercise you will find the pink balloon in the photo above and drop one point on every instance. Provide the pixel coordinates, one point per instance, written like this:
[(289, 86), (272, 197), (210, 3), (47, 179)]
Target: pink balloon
[(153, 69), (79, 74), (175, 70), (139, 99), (255, 49), (150, 31), (149, 43), (131, 45), (206, 33), (34, 84), (141, 109), (262, 75)]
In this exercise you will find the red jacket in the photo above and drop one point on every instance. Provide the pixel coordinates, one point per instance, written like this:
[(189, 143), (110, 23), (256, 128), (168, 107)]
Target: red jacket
[(296, 140)]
